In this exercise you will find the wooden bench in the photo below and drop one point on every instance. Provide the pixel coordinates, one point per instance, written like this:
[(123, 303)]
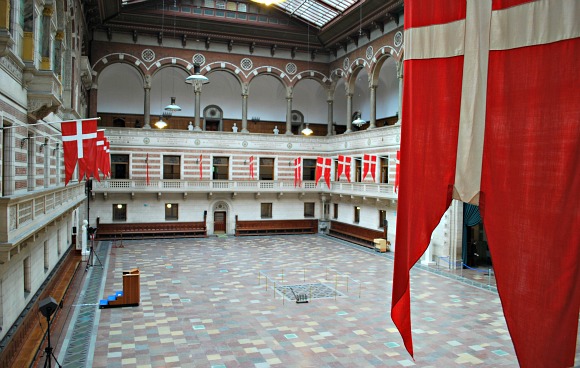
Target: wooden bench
[(355, 234), (151, 230), (276, 227)]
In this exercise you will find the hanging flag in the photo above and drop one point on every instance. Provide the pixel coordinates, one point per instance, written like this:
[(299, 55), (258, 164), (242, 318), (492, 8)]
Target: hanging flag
[(79, 145), (200, 167), (323, 166), (343, 166), (147, 169), (397, 168), (298, 172), (251, 167), (107, 159), (369, 165), (486, 81), (100, 145)]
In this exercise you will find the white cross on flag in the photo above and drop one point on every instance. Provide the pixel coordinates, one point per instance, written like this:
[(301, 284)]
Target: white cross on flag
[(323, 166), (491, 116), (79, 145), (298, 171), (343, 166), (369, 165)]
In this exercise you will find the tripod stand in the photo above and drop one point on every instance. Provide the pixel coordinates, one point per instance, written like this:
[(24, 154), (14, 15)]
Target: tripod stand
[(47, 307), (92, 255)]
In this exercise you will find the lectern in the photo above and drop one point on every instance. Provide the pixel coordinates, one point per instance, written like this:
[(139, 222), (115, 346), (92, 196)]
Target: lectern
[(131, 294)]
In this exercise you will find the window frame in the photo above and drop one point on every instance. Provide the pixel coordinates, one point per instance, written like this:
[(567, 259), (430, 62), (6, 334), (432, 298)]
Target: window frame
[(171, 211), (173, 174), (114, 164), (356, 217), (309, 212), (268, 210), (118, 211)]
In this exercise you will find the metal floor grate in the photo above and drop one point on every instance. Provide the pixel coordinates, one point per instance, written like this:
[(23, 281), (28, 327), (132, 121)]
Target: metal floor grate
[(312, 291)]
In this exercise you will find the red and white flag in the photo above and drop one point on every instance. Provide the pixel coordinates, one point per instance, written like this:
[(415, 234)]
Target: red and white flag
[(344, 163), (298, 172), (369, 165), (147, 169), (251, 164), (200, 167), (397, 169), (323, 166), (100, 143), (107, 165), (475, 72), (79, 145)]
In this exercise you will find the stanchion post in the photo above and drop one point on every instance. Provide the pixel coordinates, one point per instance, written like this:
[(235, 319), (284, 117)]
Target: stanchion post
[(310, 292)]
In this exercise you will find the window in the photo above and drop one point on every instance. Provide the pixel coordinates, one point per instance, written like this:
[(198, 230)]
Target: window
[(266, 169), (384, 170), (171, 167), (242, 7), (266, 210), (220, 4), (171, 211), (221, 168), (119, 212), (357, 170), (335, 211), (309, 209), (308, 169), (356, 214), (382, 218), (46, 256), (119, 166), (26, 278)]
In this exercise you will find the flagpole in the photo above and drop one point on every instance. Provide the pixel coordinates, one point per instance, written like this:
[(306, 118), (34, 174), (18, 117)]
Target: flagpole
[(44, 123)]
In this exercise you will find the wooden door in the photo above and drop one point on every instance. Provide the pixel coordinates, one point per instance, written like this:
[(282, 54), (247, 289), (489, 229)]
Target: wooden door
[(219, 221)]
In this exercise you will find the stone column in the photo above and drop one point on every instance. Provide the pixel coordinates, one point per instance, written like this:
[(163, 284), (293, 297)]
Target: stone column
[(147, 103), (245, 112), (400, 76), (197, 89), (31, 166), (8, 159), (330, 104), (373, 123), (348, 112), (289, 115), (46, 42)]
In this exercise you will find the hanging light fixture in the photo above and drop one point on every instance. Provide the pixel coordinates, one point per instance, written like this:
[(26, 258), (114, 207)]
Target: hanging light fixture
[(172, 106), (196, 76), (358, 121), (307, 130), (160, 124)]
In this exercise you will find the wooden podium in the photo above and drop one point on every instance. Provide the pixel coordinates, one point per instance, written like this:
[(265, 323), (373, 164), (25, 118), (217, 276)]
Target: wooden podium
[(131, 294)]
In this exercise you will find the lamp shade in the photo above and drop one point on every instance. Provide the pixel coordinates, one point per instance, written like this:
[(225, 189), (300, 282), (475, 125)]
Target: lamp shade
[(160, 124), (358, 121), (172, 106), (197, 76), (307, 130)]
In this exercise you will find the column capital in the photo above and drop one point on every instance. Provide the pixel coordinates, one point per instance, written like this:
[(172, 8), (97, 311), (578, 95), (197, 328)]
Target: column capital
[(48, 11)]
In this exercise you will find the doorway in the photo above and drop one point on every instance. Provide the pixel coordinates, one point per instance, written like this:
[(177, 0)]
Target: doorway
[(219, 222)]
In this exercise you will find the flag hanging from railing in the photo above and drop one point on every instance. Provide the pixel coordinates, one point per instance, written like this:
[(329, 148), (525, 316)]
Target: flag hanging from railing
[(107, 166), (397, 171), (79, 145), (369, 165), (297, 172), (483, 122), (100, 153), (323, 166), (344, 163), (251, 163), (200, 167)]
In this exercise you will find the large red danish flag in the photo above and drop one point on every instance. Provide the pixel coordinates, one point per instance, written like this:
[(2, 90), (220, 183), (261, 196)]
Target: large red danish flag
[(488, 118), (369, 165), (298, 172), (79, 145), (344, 163), (323, 166), (251, 163)]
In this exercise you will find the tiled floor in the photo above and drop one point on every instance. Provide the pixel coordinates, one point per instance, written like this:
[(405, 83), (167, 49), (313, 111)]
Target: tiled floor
[(218, 302)]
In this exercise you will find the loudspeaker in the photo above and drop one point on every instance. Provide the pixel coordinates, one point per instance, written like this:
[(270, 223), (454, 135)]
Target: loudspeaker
[(47, 306), (74, 230)]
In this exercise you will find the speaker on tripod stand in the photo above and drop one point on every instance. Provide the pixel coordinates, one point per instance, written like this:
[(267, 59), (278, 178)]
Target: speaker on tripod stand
[(47, 307)]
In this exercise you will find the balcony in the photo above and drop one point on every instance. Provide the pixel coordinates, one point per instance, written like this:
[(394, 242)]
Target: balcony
[(209, 187), (24, 216)]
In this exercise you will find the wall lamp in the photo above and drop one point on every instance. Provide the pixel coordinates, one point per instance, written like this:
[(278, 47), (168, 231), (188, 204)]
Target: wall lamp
[(22, 141), (56, 148), (43, 145)]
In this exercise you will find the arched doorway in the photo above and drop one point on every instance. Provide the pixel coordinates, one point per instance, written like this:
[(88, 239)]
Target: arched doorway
[(219, 216), (213, 119)]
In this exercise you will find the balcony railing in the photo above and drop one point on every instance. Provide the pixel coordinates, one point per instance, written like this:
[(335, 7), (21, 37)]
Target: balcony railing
[(383, 191), (30, 212)]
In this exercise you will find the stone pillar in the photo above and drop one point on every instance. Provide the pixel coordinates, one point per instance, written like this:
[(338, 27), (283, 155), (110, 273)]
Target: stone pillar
[(348, 112), (58, 54), (147, 103), (197, 90), (8, 159), (330, 118), (245, 113), (400, 77), (289, 115), (373, 123), (31, 166)]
